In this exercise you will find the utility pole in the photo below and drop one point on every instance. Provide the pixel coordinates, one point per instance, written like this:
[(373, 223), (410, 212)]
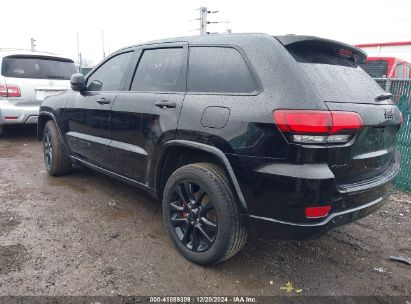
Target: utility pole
[(203, 20), (102, 41), (78, 53), (33, 44)]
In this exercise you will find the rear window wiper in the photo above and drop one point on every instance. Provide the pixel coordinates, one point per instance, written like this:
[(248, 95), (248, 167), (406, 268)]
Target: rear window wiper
[(383, 96)]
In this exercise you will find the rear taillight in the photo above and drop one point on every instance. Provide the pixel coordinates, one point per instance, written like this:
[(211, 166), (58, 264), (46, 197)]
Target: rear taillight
[(9, 90), (310, 126)]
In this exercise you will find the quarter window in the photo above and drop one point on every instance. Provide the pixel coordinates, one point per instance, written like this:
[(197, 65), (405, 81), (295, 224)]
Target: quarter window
[(160, 70), (219, 70), (108, 77)]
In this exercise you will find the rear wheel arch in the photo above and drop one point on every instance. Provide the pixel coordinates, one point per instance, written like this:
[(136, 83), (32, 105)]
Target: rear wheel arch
[(178, 153)]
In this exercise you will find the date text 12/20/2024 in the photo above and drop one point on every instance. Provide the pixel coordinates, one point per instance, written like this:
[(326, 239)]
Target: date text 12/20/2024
[(203, 299)]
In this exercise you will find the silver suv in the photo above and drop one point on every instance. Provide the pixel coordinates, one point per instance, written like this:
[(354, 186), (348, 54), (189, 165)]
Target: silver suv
[(26, 79)]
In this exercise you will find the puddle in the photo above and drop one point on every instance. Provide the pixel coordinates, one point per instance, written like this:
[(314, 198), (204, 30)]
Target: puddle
[(11, 258)]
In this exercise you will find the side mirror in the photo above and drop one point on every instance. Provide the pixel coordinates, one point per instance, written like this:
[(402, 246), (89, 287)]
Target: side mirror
[(78, 82)]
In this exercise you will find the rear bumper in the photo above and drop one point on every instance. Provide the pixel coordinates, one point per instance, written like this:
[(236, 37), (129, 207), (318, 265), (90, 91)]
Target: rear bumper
[(288, 230), (11, 114), (278, 194)]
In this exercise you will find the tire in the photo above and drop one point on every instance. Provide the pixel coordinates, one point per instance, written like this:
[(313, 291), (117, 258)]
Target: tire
[(56, 160), (2, 131), (218, 206)]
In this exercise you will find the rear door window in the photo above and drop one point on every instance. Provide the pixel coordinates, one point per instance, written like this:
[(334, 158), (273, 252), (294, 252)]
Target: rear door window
[(37, 67), (219, 70), (160, 70)]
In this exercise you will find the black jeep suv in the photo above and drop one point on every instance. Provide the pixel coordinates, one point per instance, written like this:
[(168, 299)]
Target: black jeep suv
[(227, 130)]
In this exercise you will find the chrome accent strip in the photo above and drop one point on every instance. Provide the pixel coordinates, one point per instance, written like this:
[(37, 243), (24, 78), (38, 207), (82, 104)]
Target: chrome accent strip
[(128, 147), (96, 139), (308, 171)]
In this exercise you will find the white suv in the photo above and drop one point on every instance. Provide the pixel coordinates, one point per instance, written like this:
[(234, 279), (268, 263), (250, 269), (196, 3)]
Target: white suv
[(26, 79)]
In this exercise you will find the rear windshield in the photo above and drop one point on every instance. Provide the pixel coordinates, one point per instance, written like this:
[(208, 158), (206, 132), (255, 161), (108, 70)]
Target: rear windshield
[(334, 72), (37, 67), (315, 53), (376, 68)]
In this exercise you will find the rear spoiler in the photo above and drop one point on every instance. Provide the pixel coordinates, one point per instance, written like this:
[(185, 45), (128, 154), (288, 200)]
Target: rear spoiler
[(46, 57), (289, 40)]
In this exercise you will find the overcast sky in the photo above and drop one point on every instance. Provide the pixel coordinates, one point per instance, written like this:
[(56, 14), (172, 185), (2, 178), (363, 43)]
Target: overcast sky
[(55, 24)]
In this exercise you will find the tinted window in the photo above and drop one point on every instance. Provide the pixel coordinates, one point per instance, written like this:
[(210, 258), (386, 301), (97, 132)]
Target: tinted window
[(219, 70), (376, 68), (37, 67), (108, 77), (399, 71), (160, 70), (320, 54)]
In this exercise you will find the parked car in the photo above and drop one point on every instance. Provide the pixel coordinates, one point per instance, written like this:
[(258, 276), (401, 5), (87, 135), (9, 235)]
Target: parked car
[(231, 130), (26, 79), (387, 67)]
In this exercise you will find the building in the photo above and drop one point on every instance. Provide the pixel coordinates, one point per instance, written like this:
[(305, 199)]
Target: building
[(400, 49)]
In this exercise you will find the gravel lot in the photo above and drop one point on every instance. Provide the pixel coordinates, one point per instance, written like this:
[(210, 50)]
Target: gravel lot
[(87, 234)]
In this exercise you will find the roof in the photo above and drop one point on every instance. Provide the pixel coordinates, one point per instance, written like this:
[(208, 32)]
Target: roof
[(200, 39), (239, 38), (9, 52), (398, 43)]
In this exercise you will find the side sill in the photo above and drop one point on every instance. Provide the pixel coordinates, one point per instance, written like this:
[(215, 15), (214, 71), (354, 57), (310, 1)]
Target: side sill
[(117, 176)]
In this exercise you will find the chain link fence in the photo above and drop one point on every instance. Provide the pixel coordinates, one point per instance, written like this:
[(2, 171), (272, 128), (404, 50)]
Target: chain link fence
[(401, 91)]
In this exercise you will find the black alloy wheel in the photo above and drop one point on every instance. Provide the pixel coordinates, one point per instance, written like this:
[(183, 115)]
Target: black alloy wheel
[(48, 149), (193, 216), (202, 215), (55, 157)]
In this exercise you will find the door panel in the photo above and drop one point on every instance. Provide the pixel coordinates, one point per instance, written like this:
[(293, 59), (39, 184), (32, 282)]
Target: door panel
[(138, 130), (89, 126), (89, 112), (146, 116)]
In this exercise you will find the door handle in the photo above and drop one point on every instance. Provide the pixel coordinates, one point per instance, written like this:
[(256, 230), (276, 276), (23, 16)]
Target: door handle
[(103, 101), (165, 104)]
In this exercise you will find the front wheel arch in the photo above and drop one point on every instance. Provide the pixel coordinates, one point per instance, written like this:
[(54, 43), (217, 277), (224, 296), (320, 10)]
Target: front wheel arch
[(44, 117), (41, 123)]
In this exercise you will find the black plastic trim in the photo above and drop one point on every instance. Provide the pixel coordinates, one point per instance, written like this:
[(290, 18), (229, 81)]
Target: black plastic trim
[(218, 153)]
